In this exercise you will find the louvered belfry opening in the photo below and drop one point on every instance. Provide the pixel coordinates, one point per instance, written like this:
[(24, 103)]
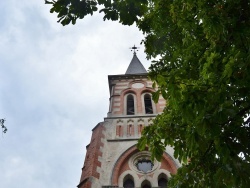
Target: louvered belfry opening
[(148, 104), (130, 105)]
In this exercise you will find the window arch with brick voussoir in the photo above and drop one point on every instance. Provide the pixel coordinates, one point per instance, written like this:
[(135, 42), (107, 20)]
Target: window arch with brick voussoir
[(148, 104), (162, 180), (130, 103), (122, 167), (149, 107), (128, 181)]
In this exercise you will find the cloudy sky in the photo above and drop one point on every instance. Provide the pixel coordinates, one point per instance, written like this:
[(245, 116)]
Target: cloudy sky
[(54, 90)]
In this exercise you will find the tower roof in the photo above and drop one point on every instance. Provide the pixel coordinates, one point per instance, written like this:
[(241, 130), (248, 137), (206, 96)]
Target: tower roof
[(135, 66)]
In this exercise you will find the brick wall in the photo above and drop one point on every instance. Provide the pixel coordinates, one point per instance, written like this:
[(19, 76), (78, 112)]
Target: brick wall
[(122, 87), (122, 164), (91, 159)]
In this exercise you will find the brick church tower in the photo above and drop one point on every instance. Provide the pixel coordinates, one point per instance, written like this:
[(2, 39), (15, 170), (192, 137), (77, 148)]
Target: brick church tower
[(112, 159)]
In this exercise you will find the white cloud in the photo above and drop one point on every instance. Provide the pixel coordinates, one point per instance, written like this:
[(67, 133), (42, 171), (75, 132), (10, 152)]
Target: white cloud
[(54, 90)]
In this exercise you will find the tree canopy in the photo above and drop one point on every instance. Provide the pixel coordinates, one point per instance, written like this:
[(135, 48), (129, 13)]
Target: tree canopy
[(203, 72)]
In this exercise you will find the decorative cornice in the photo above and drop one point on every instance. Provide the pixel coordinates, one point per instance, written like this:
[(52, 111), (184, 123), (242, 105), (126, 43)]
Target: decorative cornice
[(131, 116)]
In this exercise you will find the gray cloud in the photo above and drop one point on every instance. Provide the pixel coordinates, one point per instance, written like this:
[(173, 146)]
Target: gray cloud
[(54, 90)]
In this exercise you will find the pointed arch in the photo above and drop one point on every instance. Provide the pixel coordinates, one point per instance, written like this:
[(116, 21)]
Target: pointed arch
[(148, 104), (121, 167), (118, 167), (128, 181), (130, 104), (119, 131), (162, 180), (146, 184)]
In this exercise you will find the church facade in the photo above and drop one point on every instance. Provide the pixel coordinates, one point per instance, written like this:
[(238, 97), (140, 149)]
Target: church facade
[(112, 159)]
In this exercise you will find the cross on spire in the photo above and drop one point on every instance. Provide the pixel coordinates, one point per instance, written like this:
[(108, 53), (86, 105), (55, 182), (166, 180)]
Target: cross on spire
[(134, 48), (135, 66)]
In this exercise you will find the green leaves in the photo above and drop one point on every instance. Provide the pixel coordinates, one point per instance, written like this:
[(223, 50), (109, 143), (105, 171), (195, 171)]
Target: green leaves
[(200, 66), (127, 12), (202, 70), (155, 96), (70, 10)]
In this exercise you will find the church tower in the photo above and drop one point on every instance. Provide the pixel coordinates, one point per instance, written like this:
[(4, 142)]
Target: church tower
[(112, 159)]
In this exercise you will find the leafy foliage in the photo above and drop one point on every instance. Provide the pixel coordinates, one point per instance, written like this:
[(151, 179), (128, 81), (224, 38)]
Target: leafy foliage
[(126, 11), (203, 72), (4, 129)]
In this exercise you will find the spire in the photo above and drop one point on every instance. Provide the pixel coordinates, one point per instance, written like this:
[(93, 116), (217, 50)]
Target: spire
[(135, 66)]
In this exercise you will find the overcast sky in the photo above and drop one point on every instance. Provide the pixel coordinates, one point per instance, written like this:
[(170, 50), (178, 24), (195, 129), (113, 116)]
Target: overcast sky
[(54, 90)]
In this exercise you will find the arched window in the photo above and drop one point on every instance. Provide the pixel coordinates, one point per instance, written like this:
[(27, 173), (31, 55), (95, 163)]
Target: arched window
[(140, 128), (146, 184), (119, 130), (130, 130), (144, 165), (148, 104), (130, 105), (128, 182), (162, 181)]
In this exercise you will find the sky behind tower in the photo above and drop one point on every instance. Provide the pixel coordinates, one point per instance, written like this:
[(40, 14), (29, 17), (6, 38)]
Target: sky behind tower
[(54, 90)]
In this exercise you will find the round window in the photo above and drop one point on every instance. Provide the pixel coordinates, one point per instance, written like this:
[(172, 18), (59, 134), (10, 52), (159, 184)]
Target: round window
[(142, 163)]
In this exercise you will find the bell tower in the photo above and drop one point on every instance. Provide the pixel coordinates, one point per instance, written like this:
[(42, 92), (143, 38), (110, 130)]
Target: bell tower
[(112, 159)]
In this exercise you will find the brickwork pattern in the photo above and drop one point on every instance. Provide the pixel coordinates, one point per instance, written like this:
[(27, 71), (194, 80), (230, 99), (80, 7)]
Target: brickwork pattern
[(113, 143), (122, 165), (130, 127), (123, 87), (85, 184), (93, 153)]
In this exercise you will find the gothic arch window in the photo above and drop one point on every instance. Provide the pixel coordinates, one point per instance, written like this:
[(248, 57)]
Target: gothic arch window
[(144, 165), (148, 104), (162, 181), (146, 184), (130, 105), (128, 182)]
